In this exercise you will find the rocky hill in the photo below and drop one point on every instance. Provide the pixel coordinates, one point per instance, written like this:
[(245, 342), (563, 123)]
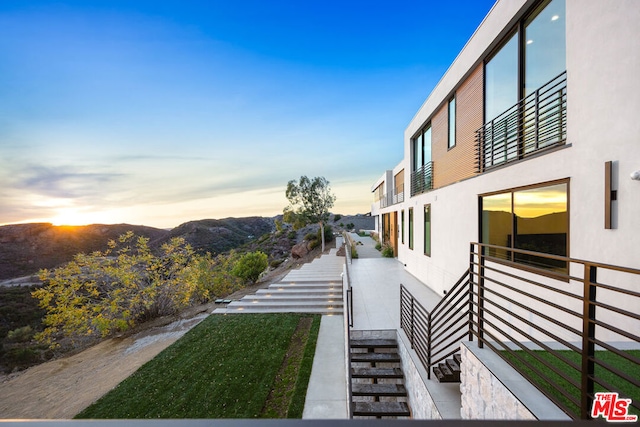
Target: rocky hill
[(27, 248)]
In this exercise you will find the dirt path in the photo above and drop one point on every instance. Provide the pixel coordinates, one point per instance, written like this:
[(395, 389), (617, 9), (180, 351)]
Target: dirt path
[(62, 388)]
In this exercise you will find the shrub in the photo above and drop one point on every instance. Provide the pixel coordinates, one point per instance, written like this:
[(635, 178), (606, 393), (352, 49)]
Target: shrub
[(250, 266), (309, 237), (328, 233), (292, 235), (351, 226), (379, 246), (387, 251), (23, 334), (337, 217)]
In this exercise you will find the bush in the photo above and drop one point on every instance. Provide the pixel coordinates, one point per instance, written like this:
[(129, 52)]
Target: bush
[(350, 226), (379, 246), (250, 266), (23, 334), (310, 237), (387, 251), (337, 217), (292, 235), (328, 233)]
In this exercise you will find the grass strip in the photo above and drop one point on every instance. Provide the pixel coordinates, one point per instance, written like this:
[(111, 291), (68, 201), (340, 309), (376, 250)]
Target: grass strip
[(627, 389), (223, 368)]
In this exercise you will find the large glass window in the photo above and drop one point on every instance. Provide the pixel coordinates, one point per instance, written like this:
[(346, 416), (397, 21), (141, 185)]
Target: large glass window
[(525, 88), (533, 219), (418, 151), (545, 45), (402, 225), (501, 80), (452, 122), (427, 230)]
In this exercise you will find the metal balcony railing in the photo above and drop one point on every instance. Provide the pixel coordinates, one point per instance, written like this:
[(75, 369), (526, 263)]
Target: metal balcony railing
[(537, 122), (571, 333), (393, 197), (422, 179)]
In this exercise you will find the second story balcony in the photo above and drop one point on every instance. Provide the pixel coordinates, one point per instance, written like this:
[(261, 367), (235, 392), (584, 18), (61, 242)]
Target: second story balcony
[(537, 122), (422, 179), (393, 197)]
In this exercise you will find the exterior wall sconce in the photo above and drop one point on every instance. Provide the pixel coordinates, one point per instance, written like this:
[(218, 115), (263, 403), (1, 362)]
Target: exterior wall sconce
[(635, 175)]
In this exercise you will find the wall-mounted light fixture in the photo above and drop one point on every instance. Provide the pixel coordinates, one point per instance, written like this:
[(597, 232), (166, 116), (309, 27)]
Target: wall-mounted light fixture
[(635, 175)]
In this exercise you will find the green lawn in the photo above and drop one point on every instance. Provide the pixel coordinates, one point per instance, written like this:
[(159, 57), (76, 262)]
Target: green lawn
[(226, 367), (627, 389)]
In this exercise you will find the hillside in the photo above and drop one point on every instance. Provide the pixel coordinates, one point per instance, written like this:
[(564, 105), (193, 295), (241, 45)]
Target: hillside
[(27, 248)]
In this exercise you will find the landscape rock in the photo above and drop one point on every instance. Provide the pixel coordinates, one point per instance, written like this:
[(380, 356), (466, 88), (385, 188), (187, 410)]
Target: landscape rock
[(300, 250)]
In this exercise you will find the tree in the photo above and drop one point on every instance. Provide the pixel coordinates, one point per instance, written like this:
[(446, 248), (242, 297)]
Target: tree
[(309, 203), (107, 292)]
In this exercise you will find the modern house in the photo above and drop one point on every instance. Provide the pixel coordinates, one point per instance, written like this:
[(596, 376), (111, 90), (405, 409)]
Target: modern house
[(521, 170)]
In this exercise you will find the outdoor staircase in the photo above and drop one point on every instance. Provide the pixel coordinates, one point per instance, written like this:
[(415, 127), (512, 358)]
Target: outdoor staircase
[(316, 287), (449, 371), (377, 381)]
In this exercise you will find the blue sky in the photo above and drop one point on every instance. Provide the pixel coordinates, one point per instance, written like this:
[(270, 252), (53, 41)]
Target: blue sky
[(160, 112)]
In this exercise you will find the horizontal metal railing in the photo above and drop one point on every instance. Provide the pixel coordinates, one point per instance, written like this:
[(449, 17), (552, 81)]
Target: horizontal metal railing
[(568, 332), (422, 179), (435, 335), (535, 123), (572, 332), (392, 197)]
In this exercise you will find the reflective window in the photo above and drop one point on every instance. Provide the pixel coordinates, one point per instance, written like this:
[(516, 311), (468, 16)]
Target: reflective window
[(534, 219), (402, 222), (545, 45), (417, 152), (541, 223), (410, 228), (496, 223), (427, 230), (452, 122), (501, 80), (426, 146)]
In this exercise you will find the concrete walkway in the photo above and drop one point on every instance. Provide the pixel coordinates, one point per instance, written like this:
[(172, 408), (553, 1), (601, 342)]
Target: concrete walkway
[(375, 285)]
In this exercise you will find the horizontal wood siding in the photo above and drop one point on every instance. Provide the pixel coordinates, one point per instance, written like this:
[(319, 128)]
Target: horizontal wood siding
[(399, 180), (458, 163)]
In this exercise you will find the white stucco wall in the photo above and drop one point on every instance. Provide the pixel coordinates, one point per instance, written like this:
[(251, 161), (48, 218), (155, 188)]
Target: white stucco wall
[(603, 123)]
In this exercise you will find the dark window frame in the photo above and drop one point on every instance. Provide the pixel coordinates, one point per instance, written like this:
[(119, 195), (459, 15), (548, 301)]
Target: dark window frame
[(427, 251), (411, 228)]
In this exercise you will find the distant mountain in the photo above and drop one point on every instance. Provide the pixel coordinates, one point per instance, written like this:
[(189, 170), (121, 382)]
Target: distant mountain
[(220, 235), (27, 248)]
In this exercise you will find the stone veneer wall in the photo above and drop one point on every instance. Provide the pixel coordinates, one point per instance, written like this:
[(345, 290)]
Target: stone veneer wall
[(422, 405), (491, 389)]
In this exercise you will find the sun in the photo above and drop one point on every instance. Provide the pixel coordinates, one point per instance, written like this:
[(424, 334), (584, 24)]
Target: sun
[(72, 216)]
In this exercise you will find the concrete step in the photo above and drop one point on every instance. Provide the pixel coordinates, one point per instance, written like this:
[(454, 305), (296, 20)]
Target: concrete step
[(378, 390), (292, 297), (373, 343), (308, 286), (257, 309), (376, 373), (325, 293), (375, 357), (284, 304), (381, 409)]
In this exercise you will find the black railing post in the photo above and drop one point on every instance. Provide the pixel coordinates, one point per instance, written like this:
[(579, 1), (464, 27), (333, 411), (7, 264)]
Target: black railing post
[(429, 346), (471, 258), (588, 336), (412, 321), (481, 299)]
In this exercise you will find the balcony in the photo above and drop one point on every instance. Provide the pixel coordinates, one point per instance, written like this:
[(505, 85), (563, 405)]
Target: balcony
[(393, 197), (537, 122), (422, 179)]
